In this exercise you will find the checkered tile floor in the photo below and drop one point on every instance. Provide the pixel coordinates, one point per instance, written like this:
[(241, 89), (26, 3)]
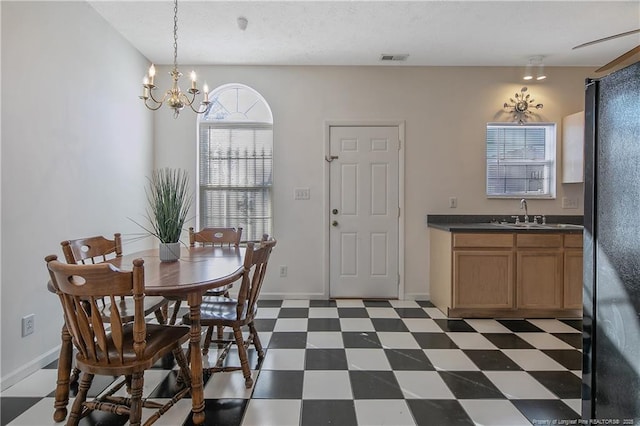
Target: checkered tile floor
[(355, 362)]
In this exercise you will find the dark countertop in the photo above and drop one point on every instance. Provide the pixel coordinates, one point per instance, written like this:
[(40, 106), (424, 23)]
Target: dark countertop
[(494, 223)]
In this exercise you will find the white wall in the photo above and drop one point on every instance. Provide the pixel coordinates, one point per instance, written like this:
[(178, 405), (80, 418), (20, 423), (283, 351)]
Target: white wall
[(76, 147), (445, 110)]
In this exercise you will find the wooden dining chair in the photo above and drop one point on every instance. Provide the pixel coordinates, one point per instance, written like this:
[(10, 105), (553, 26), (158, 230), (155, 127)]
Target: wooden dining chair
[(115, 348), (99, 249), (219, 311), (218, 236)]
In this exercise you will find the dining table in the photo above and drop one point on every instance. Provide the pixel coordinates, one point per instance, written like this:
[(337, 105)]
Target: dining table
[(199, 269)]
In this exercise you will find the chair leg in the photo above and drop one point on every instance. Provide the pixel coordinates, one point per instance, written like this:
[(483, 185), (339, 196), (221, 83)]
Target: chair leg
[(81, 397), (135, 415), (242, 353), (184, 375), (220, 330), (256, 340), (207, 340), (174, 315), (63, 383), (160, 317)]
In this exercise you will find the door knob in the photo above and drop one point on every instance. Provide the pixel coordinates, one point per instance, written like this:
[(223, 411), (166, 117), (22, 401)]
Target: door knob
[(334, 223)]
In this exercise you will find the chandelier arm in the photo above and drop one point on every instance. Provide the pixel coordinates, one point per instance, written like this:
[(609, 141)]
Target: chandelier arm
[(161, 101), (153, 108)]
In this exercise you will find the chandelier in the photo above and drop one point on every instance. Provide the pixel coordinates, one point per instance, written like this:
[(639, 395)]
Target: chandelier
[(174, 97)]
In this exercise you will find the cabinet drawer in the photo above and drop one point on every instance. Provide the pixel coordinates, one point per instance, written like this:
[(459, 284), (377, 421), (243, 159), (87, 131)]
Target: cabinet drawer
[(573, 240), (539, 240), (482, 240)]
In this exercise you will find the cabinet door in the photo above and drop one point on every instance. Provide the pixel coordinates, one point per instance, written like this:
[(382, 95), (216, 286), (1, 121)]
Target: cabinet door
[(483, 279), (573, 279), (539, 279)]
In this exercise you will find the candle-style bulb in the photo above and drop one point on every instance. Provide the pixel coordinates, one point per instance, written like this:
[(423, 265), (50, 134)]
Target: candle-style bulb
[(193, 80), (205, 89), (152, 74)]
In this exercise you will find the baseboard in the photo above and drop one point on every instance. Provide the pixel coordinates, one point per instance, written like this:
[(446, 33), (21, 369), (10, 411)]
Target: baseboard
[(316, 296), (417, 296), (29, 368)]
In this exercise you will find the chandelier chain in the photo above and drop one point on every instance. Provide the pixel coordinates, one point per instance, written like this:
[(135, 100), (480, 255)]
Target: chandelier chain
[(175, 35)]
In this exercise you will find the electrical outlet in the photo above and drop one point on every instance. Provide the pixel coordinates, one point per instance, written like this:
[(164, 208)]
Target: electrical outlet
[(301, 194), (283, 270), (569, 203), (28, 324), (453, 202)]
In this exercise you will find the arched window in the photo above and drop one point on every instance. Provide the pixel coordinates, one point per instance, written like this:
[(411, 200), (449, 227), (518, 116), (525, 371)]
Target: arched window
[(235, 161)]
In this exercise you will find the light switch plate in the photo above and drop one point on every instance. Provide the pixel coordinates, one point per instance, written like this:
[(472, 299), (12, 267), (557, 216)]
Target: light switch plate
[(301, 193)]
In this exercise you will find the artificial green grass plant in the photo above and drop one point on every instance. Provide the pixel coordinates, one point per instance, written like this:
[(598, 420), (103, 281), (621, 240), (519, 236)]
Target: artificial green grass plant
[(169, 202)]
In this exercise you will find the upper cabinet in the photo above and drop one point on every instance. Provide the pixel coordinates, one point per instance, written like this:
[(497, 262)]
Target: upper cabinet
[(573, 148)]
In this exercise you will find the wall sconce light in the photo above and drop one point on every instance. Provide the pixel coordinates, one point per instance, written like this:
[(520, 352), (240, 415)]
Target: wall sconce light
[(535, 63), (521, 106)]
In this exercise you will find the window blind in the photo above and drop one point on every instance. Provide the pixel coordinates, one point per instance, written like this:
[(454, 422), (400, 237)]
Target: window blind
[(520, 160), (235, 178)]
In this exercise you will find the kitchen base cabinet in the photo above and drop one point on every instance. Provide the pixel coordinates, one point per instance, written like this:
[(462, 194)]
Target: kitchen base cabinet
[(506, 275)]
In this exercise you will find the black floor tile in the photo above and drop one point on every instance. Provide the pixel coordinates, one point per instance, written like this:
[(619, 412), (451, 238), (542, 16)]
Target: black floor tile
[(316, 412), (226, 412), (575, 323), (322, 303), (12, 407), (389, 324), (265, 324), (448, 325), (412, 313), (355, 339), (323, 324), (288, 340), (293, 313), (564, 384), (569, 358), (573, 339), (470, 385), (520, 326), (507, 341), (408, 359), (168, 387), (353, 313), (375, 385), (325, 359), (266, 303), (376, 303), (447, 412), (434, 341), (546, 411), (276, 384), (491, 360), (102, 418), (425, 304)]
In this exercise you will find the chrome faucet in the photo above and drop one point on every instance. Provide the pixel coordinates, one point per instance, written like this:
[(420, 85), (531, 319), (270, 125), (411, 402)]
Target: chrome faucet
[(523, 205)]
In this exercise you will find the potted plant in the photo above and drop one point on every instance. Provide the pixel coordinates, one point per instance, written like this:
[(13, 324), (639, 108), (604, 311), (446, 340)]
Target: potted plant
[(169, 202)]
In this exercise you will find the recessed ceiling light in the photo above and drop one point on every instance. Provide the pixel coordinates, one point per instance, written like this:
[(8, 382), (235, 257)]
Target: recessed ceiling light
[(394, 57)]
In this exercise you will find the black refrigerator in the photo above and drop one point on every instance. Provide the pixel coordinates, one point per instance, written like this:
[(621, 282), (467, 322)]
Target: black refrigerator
[(611, 322)]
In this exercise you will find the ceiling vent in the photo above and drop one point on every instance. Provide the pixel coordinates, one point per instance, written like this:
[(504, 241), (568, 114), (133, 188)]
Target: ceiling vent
[(386, 57)]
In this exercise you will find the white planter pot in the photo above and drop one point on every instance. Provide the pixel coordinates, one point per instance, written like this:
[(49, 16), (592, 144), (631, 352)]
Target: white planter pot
[(169, 252)]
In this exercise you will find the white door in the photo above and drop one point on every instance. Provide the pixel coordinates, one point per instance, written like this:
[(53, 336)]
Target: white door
[(364, 212)]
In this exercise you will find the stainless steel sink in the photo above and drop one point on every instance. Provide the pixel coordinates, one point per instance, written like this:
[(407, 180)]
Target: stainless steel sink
[(539, 226)]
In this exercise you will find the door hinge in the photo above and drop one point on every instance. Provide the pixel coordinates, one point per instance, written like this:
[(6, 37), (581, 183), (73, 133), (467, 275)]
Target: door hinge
[(398, 212), (398, 279), (399, 144)]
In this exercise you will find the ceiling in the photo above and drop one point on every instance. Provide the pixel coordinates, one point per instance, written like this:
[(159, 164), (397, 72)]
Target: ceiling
[(432, 32)]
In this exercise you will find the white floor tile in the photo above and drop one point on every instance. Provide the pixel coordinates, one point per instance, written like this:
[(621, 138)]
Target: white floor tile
[(32, 385), (435, 313), (175, 416), (544, 341), (518, 385), (423, 385), (367, 359), (324, 339), (533, 360), (471, 341), (397, 340), (323, 312), (323, 384), (273, 412), (450, 360), (284, 359), (349, 303), (356, 324), (41, 414), (295, 303), (487, 326), (404, 303), (228, 385), (493, 412), (291, 324), (373, 412), (553, 326), (152, 378), (574, 404), (424, 325), (267, 313), (382, 313)]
